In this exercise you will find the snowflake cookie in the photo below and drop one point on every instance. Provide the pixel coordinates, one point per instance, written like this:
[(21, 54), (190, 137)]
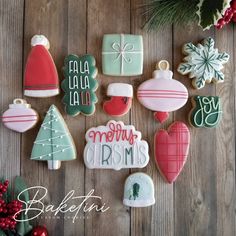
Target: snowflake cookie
[(203, 63)]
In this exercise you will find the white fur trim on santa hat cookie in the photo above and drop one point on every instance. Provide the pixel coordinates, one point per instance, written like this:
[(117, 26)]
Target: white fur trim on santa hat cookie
[(40, 40), (120, 90)]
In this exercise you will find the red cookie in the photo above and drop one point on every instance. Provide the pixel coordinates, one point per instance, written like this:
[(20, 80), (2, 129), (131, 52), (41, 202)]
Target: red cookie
[(171, 150), (41, 78)]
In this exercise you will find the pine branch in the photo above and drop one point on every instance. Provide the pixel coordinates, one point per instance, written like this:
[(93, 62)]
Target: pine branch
[(161, 13)]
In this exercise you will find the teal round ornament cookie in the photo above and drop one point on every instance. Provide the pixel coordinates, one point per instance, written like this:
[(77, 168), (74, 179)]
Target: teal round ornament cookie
[(139, 190), (79, 84), (206, 111)]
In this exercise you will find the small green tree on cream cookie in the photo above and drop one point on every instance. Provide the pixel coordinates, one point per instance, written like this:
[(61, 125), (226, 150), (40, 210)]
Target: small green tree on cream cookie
[(79, 84)]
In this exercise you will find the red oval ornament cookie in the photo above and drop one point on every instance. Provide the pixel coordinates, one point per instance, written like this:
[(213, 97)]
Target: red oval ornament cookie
[(171, 150)]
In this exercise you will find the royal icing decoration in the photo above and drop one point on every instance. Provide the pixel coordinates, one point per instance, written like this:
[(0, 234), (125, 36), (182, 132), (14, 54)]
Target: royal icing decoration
[(162, 93), (20, 117), (203, 63), (139, 191), (171, 150), (115, 146), (122, 54), (79, 85), (206, 111), (54, 142), (41, 78), (121, 99)]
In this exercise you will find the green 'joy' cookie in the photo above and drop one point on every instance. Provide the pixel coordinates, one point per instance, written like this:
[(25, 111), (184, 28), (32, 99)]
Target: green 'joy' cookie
[(79, 84), (206, 111)]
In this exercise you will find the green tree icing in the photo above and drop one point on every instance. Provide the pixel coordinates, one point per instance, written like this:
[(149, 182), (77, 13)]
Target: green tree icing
[(79, 84)]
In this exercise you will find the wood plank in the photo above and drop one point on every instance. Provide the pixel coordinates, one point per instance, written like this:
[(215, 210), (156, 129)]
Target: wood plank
[(195, 189), (225, 138), (11, 38), (105, 16), (158, 219), (64, 23)]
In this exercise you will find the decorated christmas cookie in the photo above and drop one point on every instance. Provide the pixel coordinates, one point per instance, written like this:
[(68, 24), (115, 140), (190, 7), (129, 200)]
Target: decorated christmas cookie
[(54, 142), (41, 78), (121, 99), (139, 191), (162, 93), (115, 146), (203, 63), (20, 117), (206, 111), (122, 54), (79, 85), (171, 150)]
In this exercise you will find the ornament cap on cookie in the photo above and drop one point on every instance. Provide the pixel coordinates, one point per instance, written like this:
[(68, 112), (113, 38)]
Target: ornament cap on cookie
[(139, 190), (162, 93), (20, 117), (40, 40)]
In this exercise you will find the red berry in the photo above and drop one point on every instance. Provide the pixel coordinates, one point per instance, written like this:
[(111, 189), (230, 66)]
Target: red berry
[(234, 18), (233, 5)]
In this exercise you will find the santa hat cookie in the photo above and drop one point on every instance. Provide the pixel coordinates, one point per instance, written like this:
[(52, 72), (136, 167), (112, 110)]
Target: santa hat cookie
[(41, 78), (139, 191), (121, 99)]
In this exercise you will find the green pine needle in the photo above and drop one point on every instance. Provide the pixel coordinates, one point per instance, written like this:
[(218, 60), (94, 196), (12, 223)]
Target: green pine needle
[(161, 13)]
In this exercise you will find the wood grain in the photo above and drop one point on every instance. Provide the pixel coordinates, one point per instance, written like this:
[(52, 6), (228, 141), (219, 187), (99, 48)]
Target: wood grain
[(104, 17), (151, 220), (201, 202), (11, 53)]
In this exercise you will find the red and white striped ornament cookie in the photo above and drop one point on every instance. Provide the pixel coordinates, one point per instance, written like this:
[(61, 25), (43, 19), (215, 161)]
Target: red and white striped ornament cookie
[(162, 93), (20, 117)]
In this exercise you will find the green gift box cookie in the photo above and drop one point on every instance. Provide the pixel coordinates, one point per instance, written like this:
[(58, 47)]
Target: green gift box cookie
[(122, 54)]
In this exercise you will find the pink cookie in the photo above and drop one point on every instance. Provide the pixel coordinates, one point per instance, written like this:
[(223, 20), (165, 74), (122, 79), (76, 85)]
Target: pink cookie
[(20, 117), (162, 93)]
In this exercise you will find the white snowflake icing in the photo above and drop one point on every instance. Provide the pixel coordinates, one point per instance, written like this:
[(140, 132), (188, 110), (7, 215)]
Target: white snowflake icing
[(203, 63)]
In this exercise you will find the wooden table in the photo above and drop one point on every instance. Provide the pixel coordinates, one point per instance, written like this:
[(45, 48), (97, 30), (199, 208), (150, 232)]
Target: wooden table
[(201, 202)]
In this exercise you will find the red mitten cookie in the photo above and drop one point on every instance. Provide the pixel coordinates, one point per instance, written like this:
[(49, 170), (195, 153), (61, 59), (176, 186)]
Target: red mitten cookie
[(171, 150)]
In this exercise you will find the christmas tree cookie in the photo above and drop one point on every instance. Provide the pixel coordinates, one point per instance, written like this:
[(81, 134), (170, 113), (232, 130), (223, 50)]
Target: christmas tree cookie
[(79, 85), (115, 146), (41, 78), (203, 63), (54, 142), (206, 111), (139, 190), (171, 150)]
